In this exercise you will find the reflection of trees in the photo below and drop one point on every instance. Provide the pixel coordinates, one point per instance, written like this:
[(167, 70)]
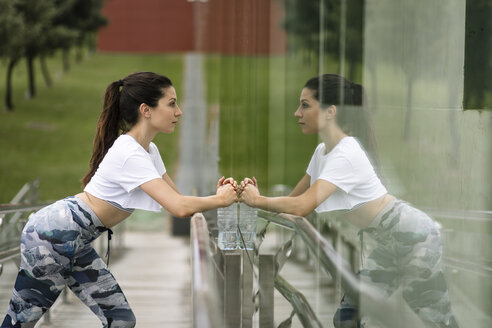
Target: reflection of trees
[(478, 55), (410, 35), (303, 25)]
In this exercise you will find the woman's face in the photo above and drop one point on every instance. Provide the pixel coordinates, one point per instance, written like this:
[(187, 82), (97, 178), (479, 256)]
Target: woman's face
[(308, 112), (165, 115)]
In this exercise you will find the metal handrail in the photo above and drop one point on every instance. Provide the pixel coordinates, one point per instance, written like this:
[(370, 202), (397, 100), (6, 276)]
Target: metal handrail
[(299, 303), (206, 302), (371, 301), (14, 208), (331, 260), (9, 254), (24, 201)]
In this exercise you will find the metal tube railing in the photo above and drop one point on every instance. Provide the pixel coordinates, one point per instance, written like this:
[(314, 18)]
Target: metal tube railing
[(330, 259), (15, 208), (206, 303), (371, 301), (12, 222), (299, 303)]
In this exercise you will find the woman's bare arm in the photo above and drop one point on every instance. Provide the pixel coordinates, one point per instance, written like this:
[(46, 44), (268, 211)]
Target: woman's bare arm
[(301, 205), (185, 206)]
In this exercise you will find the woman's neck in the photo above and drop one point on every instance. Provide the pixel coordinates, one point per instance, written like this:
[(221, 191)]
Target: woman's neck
[(331, 137), (141, 137)]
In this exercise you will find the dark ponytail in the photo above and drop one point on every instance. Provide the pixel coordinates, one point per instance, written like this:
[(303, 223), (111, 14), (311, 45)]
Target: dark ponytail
[(121, 111), (352, 115), (108, 128)]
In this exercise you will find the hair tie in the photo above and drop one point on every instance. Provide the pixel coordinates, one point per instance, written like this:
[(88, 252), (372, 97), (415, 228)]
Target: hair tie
[(120, 83)]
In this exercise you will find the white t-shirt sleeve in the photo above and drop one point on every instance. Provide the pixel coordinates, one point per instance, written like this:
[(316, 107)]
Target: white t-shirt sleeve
[(137, 169), (339, 171)]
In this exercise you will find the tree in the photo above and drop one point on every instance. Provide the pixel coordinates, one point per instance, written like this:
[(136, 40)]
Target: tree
[(312, 24), (84, 18), (408, 35), (478, 55), (90, 20), (11, 48), (38, 19)]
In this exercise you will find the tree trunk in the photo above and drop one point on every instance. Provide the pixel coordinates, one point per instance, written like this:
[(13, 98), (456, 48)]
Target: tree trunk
[(408, 114), (352, 70), (79, 49), (46, 73), (79, 54), (8, 86), (30, 72), (66, 60), (92, 46), (373, 101)]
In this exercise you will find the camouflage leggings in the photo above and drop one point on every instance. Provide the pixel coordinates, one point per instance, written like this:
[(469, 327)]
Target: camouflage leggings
[(56, 252), (407, 255)]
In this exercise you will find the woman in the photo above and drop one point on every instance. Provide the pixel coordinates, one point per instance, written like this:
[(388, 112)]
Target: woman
[(341, 177), (126, 173)]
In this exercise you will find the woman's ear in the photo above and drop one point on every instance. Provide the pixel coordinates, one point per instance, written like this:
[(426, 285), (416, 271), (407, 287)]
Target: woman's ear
[(330, 112), (145, 110)]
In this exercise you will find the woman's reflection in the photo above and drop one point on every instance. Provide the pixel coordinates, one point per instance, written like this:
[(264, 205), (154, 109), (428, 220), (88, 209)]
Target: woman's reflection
[(342, 176)]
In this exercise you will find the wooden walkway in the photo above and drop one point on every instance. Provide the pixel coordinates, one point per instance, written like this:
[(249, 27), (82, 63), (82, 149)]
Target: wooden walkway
[(154, 273)]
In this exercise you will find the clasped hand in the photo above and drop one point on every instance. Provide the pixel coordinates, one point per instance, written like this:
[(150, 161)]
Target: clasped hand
[(247, 191)]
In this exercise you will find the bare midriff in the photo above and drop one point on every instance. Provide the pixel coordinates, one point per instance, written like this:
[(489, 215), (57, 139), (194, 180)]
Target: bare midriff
[(107, 213), (364, 215)]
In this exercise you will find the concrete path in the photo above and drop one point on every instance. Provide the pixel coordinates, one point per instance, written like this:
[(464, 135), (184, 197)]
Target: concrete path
[(154, 273), (153, 269)]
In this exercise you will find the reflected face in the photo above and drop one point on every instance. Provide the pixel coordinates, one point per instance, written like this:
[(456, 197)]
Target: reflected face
[(308, 112), (165, 115)]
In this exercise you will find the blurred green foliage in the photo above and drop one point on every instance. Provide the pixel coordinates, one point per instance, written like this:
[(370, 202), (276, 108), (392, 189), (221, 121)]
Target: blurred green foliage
[(50, 137), (259, 135), (478, 55)]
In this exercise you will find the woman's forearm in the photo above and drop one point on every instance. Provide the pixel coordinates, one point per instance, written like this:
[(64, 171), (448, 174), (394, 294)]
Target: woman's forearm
[(185, 206), (284, 204), (189, 205)]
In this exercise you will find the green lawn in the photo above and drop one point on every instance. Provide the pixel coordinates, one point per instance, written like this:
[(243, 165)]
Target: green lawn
[(50, 136)]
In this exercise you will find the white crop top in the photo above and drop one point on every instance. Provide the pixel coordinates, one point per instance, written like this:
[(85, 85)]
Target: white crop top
[(347, 167), (125, 167)]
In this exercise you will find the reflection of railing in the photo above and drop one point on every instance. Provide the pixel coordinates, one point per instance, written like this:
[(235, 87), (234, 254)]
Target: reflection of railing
[(370, 301), (234, 274), (299, 303)]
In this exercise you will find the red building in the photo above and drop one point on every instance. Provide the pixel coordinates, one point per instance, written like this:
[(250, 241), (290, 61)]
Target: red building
[(217, 26)]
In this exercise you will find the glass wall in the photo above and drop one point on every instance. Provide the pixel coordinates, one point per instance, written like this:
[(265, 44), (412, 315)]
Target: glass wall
[(425, 68)]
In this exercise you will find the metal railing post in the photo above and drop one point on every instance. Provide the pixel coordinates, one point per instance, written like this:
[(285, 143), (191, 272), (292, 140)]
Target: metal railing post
[(267, 287), (232, 289), (247, 306)]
